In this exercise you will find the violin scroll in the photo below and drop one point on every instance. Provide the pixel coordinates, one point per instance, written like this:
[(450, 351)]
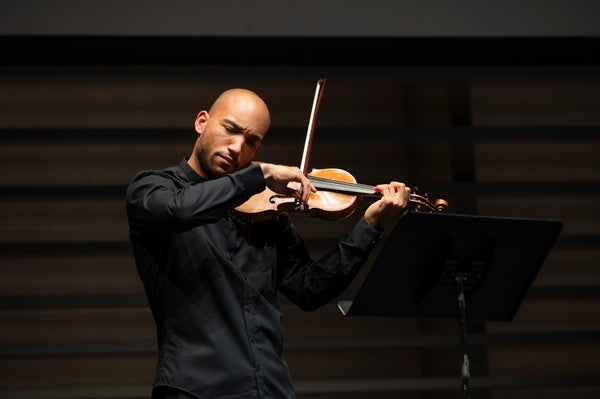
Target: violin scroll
[(423, 203)]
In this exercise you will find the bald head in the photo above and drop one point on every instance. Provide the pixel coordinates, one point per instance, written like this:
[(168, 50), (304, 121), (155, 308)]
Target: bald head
[(243, 102)]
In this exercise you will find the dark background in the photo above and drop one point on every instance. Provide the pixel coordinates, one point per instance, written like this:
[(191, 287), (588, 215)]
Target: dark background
[(494, 107)]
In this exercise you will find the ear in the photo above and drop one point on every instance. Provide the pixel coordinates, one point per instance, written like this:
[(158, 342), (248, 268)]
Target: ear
[(201, 120)]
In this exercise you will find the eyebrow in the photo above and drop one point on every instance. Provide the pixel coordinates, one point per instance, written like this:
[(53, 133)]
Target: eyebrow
[(236, 126), (233, 124)]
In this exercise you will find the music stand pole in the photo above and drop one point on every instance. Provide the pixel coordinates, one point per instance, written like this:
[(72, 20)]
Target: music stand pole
[(462, 326)]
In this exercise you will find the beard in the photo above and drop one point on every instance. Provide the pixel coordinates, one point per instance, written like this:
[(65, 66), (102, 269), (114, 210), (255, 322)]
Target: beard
[(211, 162), (208, 167)]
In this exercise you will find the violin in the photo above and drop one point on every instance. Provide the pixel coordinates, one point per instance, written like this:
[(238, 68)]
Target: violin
[(337, 194), (336, 198)]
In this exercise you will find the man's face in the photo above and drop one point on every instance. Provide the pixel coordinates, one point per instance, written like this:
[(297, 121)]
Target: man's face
[(230, 136)]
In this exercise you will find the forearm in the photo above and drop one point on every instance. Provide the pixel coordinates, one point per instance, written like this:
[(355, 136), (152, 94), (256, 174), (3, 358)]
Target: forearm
[(311, 284), (154, 203)]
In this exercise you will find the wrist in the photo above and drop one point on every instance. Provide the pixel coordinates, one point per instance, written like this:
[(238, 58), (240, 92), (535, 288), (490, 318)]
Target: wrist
[(266, 170), (374, 222)]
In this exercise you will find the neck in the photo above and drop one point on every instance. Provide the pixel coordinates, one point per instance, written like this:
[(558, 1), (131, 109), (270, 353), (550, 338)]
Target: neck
[(195, 164)]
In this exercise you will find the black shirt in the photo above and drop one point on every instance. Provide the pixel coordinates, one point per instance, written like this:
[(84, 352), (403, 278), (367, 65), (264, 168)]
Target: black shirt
[(213, 291)]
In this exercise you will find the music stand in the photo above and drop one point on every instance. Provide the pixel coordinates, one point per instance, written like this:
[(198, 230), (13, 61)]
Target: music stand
[(487, 263)]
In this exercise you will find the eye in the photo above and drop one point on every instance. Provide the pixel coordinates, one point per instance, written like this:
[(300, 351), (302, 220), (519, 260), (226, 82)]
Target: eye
[(253, 143)]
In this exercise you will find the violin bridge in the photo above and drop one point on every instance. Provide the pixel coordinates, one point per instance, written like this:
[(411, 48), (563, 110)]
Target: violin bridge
[(298, 207)]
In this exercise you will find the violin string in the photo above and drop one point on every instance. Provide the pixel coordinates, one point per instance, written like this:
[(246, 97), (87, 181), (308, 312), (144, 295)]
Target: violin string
[(332, 183), (344, 187)]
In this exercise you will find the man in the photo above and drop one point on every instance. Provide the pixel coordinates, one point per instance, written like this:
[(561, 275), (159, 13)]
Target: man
[(212, 290)]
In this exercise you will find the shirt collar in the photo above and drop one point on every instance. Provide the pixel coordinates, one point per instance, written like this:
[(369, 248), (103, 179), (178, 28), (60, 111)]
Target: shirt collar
[(189, 172)]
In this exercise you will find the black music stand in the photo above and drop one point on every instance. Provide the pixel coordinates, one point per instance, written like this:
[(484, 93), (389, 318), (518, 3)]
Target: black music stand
[(486, 263)]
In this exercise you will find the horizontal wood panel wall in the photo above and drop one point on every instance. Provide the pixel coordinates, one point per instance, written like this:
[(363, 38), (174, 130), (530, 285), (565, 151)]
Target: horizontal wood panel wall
[(74, 319)]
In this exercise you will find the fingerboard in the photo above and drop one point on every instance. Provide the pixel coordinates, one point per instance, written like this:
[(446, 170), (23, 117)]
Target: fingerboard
[(342, 186)]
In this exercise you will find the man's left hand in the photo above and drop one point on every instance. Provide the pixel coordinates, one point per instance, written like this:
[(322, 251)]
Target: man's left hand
[(393, 203)]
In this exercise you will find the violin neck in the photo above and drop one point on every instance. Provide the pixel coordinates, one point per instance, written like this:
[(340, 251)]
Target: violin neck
[(418, 201), (343, 187)]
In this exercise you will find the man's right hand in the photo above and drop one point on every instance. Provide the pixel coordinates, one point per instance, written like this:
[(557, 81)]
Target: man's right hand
[(277, 178)]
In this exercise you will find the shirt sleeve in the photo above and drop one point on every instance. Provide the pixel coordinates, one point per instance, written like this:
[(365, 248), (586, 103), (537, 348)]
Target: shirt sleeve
[(311, 284), (157, 203)]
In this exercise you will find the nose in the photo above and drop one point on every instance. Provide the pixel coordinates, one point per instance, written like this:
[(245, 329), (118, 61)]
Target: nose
[(235, 145)]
